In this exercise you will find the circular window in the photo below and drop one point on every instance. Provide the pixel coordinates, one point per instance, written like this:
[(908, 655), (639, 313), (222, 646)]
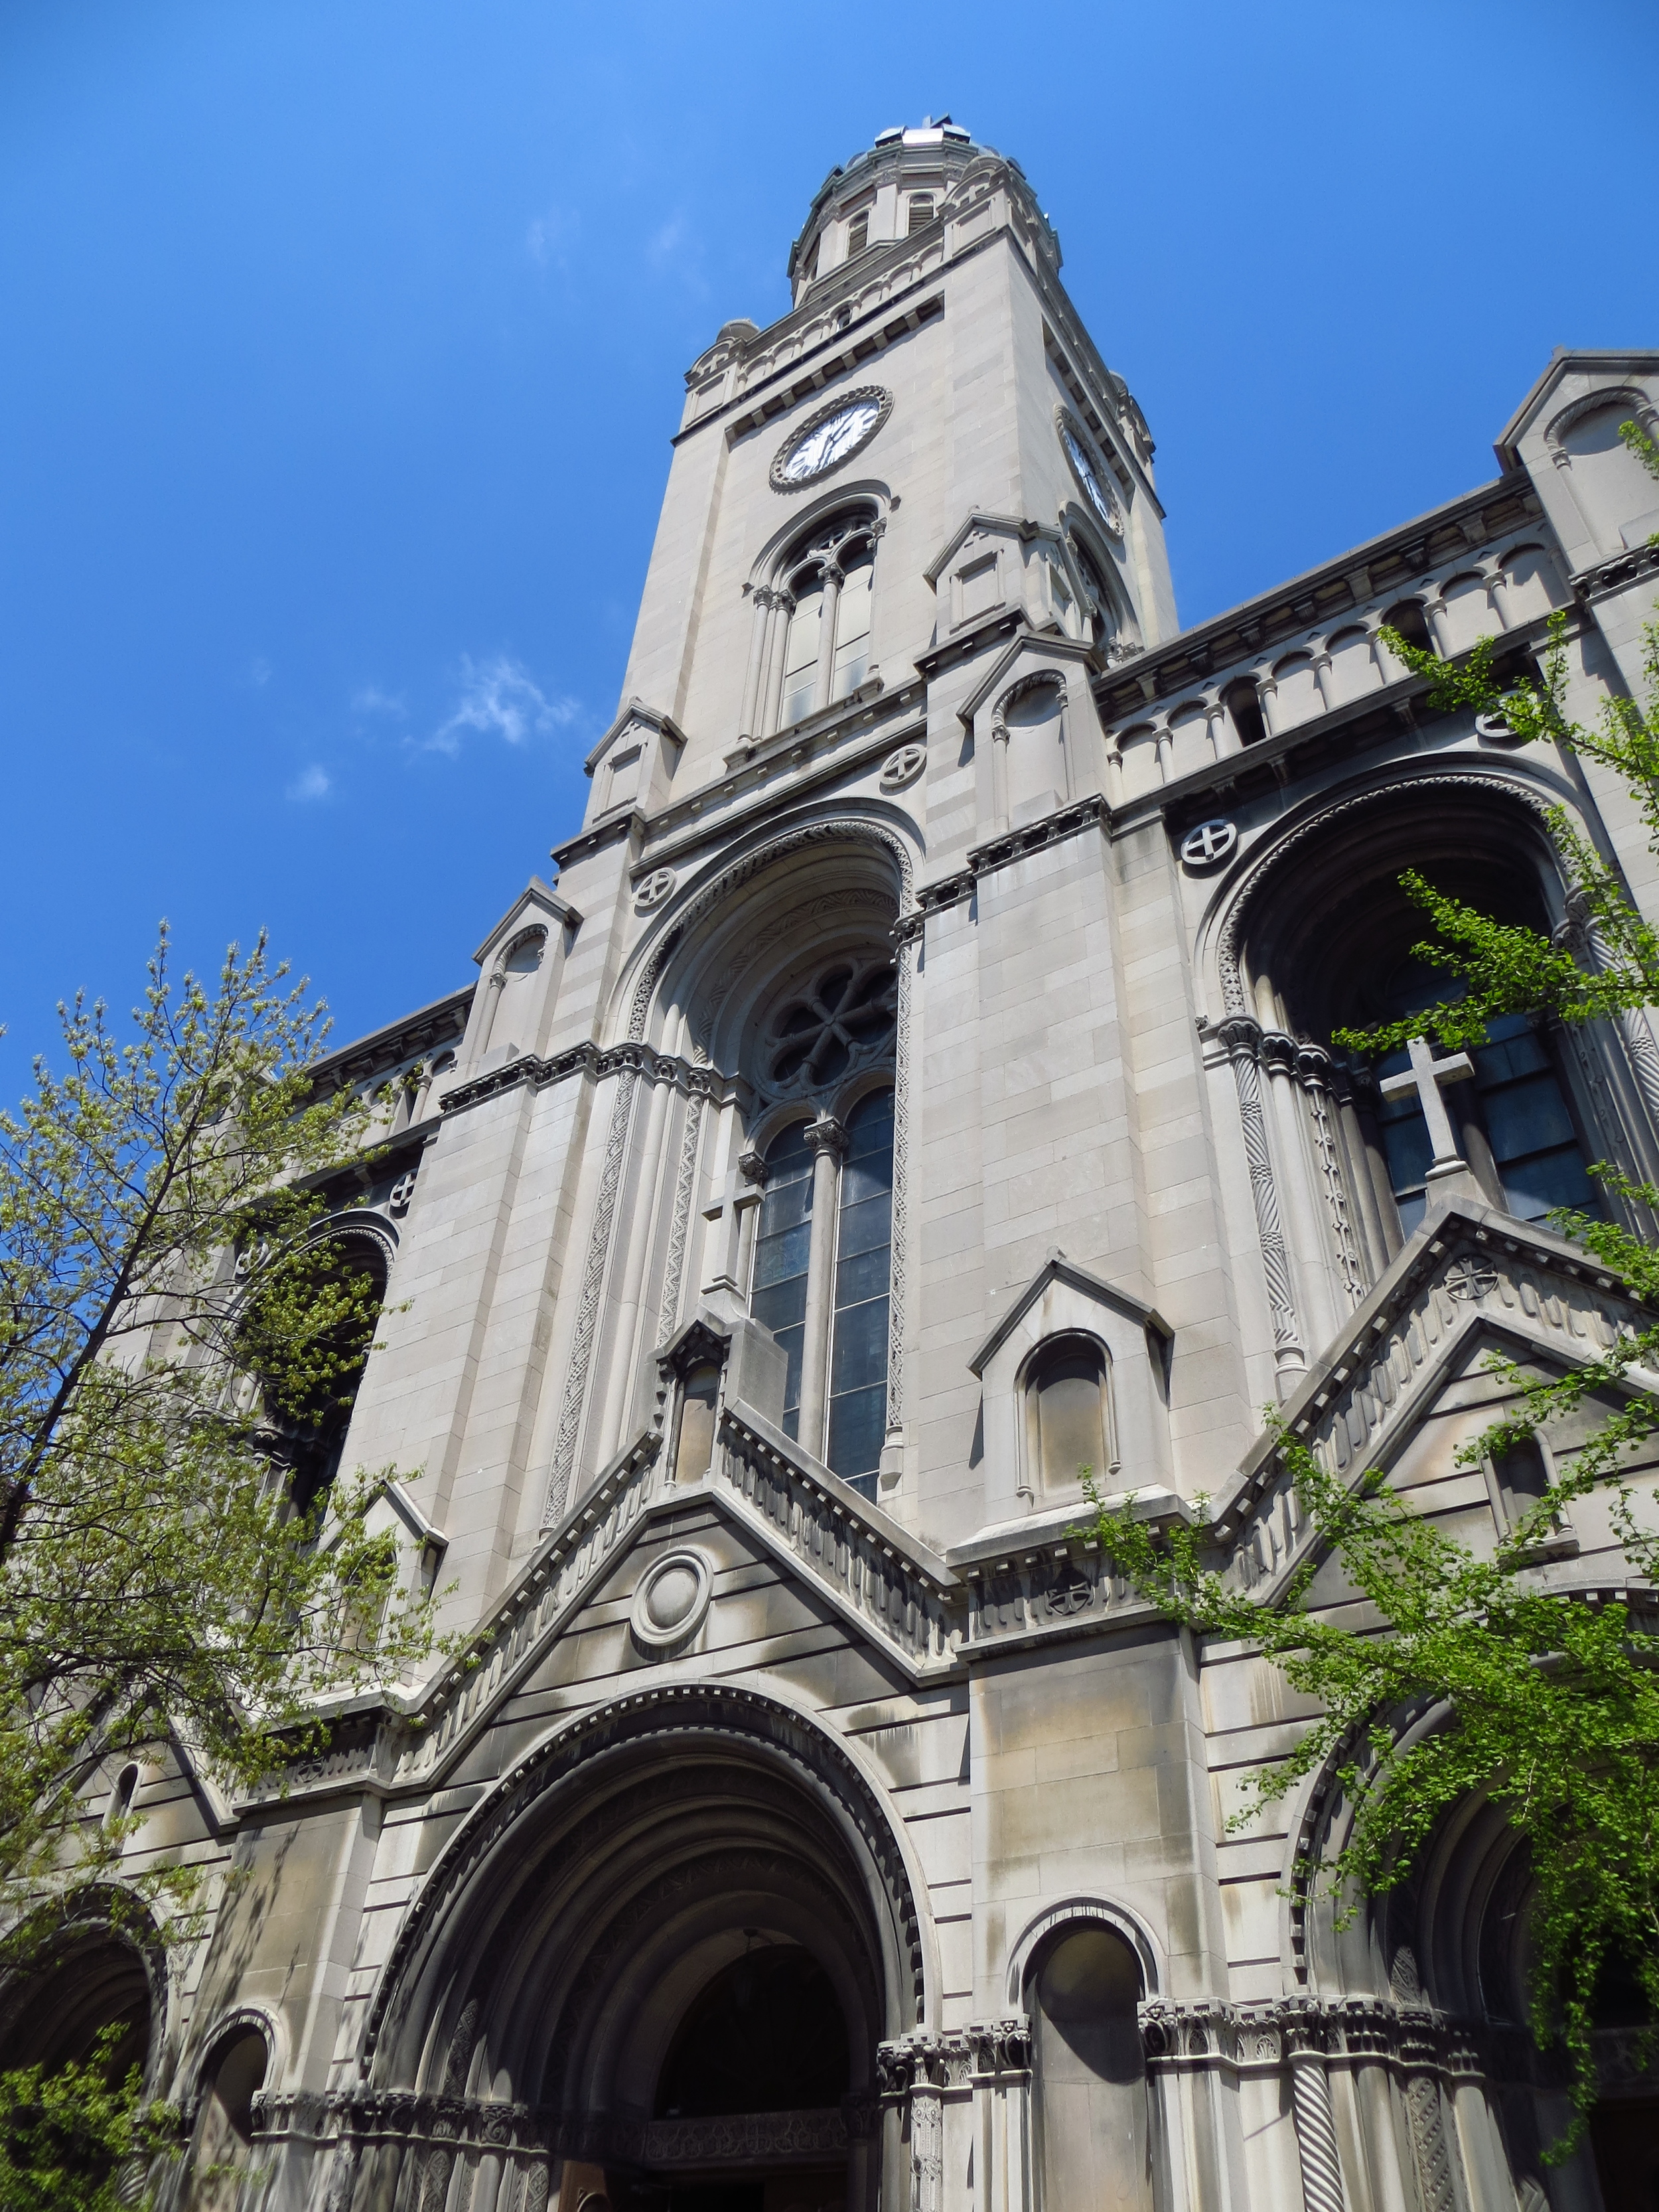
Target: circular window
[(844, 1019)]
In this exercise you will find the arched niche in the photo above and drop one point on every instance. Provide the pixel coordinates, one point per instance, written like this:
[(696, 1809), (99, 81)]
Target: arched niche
[(1028, 729), (1091, 2113), (221, 2147), (1614, 493)]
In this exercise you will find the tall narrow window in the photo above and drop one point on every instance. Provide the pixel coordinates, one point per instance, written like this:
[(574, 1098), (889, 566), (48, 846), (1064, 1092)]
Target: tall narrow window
[(782, 1245), (858, 1362), (858, 233), (852, 629), (800, 655), (921, 212)]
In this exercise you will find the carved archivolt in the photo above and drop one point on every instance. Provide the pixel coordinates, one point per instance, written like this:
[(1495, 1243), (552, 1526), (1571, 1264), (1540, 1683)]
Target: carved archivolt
[(664, 1720), (1251, 876)]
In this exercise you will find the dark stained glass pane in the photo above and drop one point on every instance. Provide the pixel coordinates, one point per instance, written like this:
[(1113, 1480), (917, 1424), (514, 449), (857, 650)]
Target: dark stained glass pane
[(857, 1359)]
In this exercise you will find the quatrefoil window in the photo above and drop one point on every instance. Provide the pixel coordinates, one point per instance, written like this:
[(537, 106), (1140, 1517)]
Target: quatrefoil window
[(844, 1018)]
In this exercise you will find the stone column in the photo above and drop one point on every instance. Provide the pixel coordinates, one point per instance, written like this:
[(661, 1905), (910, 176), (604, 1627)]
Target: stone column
[(1325, 680), (832, 580), (777, 639), (1305, 2034), (1314, 1069), (826, 1141), (1307, 1233), (757, 668), (1224, 737), (1242, 1038)]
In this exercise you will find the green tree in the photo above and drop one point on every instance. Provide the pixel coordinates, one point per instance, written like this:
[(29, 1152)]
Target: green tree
[(168, 1321), (69, 2139), (1549, 1705)]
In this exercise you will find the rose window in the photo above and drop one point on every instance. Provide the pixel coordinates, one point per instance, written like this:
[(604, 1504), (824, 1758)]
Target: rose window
[(844, 1018)]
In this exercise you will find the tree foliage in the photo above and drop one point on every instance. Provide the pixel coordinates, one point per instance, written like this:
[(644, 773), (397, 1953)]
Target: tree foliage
[(69, 2139), (168, 1322)]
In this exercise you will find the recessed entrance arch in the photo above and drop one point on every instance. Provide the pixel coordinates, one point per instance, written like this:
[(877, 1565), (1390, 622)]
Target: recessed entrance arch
[(673, 1941)]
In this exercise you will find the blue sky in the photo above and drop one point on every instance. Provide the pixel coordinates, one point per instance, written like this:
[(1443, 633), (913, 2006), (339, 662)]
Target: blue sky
[(340, 345)]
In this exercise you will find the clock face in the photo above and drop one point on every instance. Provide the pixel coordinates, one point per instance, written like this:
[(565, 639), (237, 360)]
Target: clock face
[(831, 439), (1102, 502)]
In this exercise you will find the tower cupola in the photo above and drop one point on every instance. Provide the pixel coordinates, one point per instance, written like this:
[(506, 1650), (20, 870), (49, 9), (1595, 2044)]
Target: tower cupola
[(894, 193)]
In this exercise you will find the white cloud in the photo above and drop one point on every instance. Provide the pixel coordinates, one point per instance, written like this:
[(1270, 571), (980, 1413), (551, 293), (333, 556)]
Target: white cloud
[(549, 236), (313, 783), (369, 699), (498, 697)]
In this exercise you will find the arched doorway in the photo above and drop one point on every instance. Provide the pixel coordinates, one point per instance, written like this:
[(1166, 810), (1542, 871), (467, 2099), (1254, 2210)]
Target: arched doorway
[(678, 1942)]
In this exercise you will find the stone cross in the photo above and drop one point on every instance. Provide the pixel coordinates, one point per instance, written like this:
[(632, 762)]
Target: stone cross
[(1425, 1076)]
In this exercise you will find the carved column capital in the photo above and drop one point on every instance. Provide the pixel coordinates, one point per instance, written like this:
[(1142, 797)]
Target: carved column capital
[(826, 1135), (1242, 1035), (1279, 1051)]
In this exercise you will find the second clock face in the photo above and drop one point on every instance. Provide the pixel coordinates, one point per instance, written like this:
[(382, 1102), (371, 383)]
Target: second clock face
[(831, 439), (1088, 474)]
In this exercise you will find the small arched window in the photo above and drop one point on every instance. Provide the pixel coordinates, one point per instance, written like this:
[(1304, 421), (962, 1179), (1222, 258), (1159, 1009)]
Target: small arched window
[(922, 212), (1244, 705), (1412, 624), (1068, 1415)]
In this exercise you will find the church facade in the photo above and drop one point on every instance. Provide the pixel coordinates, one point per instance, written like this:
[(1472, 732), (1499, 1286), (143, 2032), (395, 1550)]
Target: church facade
[(914, 1084)]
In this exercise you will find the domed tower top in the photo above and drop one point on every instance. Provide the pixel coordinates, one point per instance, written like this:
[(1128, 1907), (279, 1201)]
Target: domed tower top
[(893, 191)]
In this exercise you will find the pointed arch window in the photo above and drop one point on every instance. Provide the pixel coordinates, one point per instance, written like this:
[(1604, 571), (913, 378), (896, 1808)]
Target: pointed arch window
[(811, 644)]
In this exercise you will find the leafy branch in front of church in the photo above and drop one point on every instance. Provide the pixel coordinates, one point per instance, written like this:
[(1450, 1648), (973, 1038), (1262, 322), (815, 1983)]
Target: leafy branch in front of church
[(168, 1316), (1472, 1679)]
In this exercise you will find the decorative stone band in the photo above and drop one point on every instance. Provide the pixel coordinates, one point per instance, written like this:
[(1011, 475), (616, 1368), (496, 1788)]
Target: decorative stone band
[(987, 2051), (441, 2130), (1069, 820), (588, 1058), (1614, 575)]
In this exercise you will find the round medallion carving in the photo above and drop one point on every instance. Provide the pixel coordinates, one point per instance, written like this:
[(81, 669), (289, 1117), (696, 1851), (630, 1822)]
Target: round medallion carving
[(1209, 844), (672, 1599), (903, 767), (651, 892)]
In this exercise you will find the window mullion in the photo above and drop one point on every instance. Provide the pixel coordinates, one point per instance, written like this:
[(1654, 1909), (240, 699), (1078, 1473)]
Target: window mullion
[(826, 1141)]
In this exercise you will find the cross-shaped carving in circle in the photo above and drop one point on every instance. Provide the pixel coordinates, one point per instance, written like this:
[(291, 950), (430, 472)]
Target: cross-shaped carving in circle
[(844, 1018), (903, 767), (1210, 842), (403, 1190), (653, 889)]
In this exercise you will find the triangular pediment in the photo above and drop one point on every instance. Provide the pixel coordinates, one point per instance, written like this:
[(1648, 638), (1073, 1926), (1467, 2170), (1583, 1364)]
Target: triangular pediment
[(835, 1558), (1471, 1279)]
